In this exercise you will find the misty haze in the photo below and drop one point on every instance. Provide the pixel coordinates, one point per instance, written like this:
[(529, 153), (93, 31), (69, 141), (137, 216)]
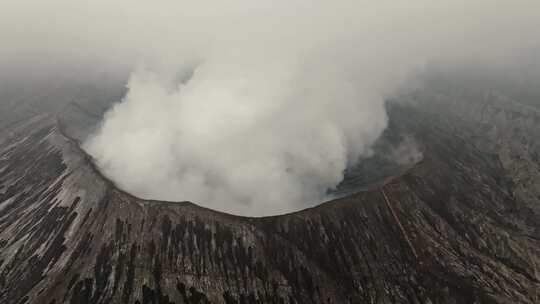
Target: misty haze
[(270, 151)]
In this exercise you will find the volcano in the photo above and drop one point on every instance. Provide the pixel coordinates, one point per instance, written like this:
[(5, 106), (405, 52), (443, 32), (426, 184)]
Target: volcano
[(460, 225)]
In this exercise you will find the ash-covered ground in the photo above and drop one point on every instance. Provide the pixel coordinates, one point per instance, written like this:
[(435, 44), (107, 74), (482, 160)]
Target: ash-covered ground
[(460, 224)]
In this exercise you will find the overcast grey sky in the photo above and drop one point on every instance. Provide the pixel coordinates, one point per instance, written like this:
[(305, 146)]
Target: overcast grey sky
[(121, 33)]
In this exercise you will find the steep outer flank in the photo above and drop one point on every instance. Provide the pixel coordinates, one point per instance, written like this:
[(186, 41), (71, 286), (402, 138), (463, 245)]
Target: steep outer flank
[(506, 128), (447, 233)]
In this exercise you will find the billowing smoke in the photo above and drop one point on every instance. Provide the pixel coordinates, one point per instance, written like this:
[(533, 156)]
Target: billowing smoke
[(257, 108), (245, 137), (407, 152)]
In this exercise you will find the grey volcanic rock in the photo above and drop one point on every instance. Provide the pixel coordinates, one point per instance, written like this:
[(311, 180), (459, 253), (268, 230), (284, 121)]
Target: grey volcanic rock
[(451, 229)]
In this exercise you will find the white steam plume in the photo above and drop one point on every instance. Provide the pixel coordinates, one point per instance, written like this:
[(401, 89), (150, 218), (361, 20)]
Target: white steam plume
[(257, 107), (244, 137)]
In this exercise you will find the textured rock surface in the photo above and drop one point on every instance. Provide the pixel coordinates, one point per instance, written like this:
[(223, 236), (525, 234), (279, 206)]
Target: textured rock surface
[(459, 227)]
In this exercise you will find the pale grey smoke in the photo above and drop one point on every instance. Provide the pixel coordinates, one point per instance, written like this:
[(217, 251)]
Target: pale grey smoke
[(407, 152), (258, 140), (257, 107)]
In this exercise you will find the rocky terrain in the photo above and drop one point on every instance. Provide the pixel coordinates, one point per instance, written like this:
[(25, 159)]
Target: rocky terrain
[(460, 226)]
